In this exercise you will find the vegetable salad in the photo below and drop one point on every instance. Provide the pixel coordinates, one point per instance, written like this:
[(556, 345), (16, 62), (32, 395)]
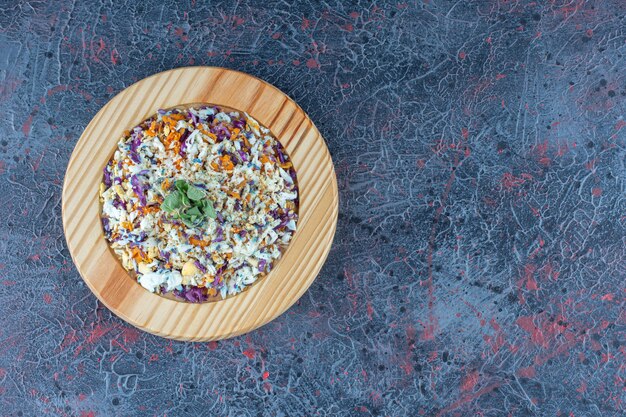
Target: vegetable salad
[(199, 202)]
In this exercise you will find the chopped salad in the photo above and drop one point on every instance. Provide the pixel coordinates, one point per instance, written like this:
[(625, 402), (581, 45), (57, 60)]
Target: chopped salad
[(199, 202)]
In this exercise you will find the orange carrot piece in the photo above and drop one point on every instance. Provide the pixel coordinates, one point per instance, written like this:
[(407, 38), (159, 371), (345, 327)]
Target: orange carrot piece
[(197, 242)]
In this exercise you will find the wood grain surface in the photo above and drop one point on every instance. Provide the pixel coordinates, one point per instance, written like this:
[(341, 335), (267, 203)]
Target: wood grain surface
[(265, 300)]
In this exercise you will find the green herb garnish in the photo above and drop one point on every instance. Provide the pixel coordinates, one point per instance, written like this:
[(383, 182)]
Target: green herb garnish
[(189, 204)]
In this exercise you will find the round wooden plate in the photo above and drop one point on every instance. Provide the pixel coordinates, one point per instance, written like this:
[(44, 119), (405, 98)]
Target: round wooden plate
[(270, 296)]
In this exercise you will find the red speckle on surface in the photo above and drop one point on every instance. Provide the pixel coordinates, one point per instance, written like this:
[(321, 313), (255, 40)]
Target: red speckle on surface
[(27, 125), (429, 332), (528, 372), (531, 284), (468, 397), (510, 181), (355, 15), (266, 375), (500, 76), (276, 35), (249, 353), (348, 27), (130, 335), (81, 397), (57, 89), (213, 345), (306, 23), (94, 335), (180, 32), (469, 381), (462, 55), (596, 191), (69, 339), (37, 163), (153, 358), (312, 63), (238, 21), (537, 336), (87, 414), (115, 57), (47, 298), (607, 297), (590, 165)]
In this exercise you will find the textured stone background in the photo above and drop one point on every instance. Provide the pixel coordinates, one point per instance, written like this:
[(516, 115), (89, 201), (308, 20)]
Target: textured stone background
[(479, 263)]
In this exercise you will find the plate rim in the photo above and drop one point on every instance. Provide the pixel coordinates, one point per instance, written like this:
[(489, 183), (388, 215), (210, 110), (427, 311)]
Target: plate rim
[(244, 325)]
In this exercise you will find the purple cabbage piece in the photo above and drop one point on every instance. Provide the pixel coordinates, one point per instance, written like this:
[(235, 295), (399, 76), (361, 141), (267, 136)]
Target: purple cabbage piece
[(262, 264), (139, 189), (193, 295), (243, 233), (243, 156), (117, 180), (193, 118), (221, 270), (165, 255), (200, 266), (238, 206), (281, 155), (282, 224), (118, 203), (161, 111), (105, 225), (183, 143), (220, 235), (239, 123), (221, 132), (220, 218), (107, 175), (135, 143)]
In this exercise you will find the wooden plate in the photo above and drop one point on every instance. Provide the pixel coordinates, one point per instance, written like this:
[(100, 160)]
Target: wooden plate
[(269, 297)]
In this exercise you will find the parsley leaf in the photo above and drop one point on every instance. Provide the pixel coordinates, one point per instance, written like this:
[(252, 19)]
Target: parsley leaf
[(194, 193), (172, 202), (194, 211), (189, 204), (208, 210)]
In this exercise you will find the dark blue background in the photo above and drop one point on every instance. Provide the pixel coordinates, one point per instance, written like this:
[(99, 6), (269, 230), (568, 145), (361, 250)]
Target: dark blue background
[(479, 263)]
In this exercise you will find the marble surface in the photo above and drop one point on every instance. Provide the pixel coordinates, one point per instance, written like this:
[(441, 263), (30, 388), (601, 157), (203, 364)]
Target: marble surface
[(479, 263)]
